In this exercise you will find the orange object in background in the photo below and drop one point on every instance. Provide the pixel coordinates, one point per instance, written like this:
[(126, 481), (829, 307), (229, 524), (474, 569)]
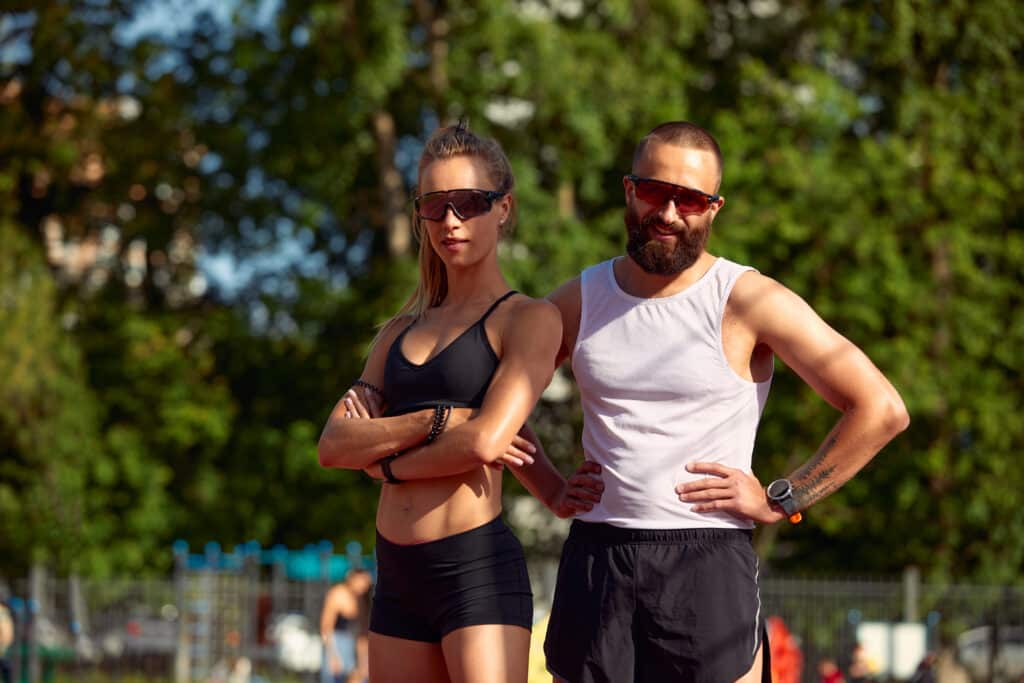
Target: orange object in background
[(787, 660)]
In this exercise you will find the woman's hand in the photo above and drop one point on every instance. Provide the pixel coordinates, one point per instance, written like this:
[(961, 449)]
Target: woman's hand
[(580, 492), (362, 403), (519, 452)]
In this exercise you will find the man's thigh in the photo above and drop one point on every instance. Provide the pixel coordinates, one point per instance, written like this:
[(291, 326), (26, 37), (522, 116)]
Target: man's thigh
[(699, 609), (589, 637)]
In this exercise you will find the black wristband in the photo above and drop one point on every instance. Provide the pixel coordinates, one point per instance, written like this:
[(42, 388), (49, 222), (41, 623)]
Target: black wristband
[(441, 415), (366, 385), (385, 468)]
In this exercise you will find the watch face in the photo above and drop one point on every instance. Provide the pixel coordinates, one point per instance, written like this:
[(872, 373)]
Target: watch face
[(778, 489)]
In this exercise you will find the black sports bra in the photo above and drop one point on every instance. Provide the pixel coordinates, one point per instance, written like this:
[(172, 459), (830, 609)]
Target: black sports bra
[(457, 376)]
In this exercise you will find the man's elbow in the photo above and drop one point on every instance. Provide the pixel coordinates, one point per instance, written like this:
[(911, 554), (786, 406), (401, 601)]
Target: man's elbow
[(895, 418)]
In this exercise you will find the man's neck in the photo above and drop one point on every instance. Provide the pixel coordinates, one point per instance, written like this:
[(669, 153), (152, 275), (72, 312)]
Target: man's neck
[(637, 282)]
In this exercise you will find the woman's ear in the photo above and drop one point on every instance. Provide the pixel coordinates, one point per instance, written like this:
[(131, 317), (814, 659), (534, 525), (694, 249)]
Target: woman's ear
[(506, 210)]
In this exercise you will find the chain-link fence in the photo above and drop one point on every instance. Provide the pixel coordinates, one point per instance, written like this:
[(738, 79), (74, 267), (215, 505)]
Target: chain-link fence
[(209, 625), (979, 630)]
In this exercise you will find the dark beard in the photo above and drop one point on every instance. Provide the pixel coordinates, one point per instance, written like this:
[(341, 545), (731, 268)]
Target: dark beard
[(658, 258)]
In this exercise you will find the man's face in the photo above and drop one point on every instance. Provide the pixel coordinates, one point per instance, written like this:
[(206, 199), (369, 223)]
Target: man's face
[(665, 239), (360, 582)]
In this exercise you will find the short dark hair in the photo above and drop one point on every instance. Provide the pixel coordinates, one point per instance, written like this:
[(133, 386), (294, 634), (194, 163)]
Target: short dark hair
[(683, 134)]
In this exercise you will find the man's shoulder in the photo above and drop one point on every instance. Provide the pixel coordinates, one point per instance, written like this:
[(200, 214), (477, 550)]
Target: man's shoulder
[(755, 289), (570, 290), (567, 291)]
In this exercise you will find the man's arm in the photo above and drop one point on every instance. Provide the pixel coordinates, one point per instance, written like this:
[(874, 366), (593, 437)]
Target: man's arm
[(872, 411), (328, 615), (529, 345), (564, 497), (569, 300)]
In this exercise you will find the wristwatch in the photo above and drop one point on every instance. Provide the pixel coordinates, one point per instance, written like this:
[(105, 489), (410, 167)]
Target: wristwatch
[(780, 492)]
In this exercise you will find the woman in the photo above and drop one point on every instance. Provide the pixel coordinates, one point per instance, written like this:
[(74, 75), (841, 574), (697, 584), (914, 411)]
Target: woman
[(437, 414)]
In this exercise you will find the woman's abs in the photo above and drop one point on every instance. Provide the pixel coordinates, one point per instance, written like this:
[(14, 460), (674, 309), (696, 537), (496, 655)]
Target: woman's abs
[(431, 509)]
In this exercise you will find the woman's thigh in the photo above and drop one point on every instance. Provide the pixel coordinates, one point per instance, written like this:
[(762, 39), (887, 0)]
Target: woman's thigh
[(489, 653), (397, 660)]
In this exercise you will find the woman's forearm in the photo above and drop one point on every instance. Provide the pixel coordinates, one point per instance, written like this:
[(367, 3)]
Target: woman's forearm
[(459, 449), (354, 444)]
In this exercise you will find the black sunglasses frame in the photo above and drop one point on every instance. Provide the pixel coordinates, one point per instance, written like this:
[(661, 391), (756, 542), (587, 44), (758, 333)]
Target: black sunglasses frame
[(712, 198), (490, 195)]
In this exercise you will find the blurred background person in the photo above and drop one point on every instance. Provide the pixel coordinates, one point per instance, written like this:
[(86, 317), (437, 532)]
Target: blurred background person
[(6, 638), (828, 671), (339, 629)]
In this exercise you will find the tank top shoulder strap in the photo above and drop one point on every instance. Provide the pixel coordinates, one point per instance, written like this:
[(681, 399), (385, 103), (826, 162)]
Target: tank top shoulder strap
[(495, 305), (396, 343)]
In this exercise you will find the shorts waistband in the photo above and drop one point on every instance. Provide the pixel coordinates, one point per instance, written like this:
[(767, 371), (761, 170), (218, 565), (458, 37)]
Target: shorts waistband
[(600, 532), (496, 525)]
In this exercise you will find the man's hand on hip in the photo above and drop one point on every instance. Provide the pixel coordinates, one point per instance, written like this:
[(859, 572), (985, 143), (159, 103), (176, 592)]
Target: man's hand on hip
[(728, 490)]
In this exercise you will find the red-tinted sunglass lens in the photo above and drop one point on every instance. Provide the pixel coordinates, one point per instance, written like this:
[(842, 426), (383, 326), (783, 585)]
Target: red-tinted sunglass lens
[(653, 193), (466, 204), (432, 206), (469, 203), (658, 194)]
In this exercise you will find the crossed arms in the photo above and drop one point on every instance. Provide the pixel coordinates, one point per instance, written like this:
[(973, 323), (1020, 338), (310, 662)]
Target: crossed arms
[(356, 437)]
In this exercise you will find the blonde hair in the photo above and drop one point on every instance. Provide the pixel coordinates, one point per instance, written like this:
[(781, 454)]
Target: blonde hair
[(446, 143)]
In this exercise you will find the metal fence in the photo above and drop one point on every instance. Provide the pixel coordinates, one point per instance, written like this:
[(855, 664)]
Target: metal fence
[(198, 626), (205, 625), (979, 630)]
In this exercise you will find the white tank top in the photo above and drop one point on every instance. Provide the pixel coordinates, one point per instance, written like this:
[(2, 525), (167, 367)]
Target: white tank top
[(657, 393)]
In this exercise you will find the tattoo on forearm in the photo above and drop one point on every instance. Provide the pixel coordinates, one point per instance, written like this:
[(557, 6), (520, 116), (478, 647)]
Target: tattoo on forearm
[(815, 480)]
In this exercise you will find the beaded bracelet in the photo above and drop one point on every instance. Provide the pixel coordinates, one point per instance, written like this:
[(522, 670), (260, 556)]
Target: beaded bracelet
[(366, 385), (441, 415), (385, 468)]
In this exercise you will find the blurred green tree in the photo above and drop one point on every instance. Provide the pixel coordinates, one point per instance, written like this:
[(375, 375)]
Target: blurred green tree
[(224, 210)]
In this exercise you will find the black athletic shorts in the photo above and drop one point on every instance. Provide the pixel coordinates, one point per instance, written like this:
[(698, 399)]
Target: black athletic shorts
[(655, 605), (425, 591)]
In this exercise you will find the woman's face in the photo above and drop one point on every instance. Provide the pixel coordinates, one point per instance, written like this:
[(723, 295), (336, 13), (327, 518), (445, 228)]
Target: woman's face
[(465, 241)]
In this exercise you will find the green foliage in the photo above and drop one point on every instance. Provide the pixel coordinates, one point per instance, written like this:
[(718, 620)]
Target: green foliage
[(48, 428), (873, 163)]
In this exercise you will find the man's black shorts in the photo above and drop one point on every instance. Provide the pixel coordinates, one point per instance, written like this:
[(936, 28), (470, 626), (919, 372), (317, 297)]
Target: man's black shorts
[(655, 605)]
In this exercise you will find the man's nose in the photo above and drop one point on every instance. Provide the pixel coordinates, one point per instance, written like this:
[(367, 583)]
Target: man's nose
[(668, 212)]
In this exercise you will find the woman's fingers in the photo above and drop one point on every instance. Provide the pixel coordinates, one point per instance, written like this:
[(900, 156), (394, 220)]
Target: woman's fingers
[(354, 405)]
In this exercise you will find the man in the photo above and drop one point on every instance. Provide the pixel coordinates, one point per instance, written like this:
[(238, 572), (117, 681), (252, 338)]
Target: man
[(6, 634), (672, 349), (344, 658)]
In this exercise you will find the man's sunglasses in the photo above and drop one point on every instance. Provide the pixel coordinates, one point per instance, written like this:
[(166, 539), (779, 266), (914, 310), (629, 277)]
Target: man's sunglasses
[(466, 204), (658, 192)]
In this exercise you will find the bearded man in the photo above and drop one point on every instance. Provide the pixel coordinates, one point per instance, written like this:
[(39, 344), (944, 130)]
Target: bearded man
[(673, 350)]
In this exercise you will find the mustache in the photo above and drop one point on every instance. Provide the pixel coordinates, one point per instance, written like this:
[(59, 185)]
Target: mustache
[(653, 221)]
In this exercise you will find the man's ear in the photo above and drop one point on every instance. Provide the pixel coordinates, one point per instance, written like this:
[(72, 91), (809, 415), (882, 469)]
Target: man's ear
[(717, 206)]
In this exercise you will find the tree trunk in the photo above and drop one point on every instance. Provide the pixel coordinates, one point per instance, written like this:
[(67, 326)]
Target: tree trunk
[(396, 221)]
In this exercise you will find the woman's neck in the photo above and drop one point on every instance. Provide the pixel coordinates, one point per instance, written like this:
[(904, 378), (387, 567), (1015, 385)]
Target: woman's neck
[(469, 286)]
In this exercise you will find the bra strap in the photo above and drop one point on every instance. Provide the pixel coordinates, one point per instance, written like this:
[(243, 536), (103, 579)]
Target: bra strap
[(495, 305)]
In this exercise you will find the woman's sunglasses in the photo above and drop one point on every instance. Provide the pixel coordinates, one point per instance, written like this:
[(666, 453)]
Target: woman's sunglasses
[(658, 193), (466, 204)]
